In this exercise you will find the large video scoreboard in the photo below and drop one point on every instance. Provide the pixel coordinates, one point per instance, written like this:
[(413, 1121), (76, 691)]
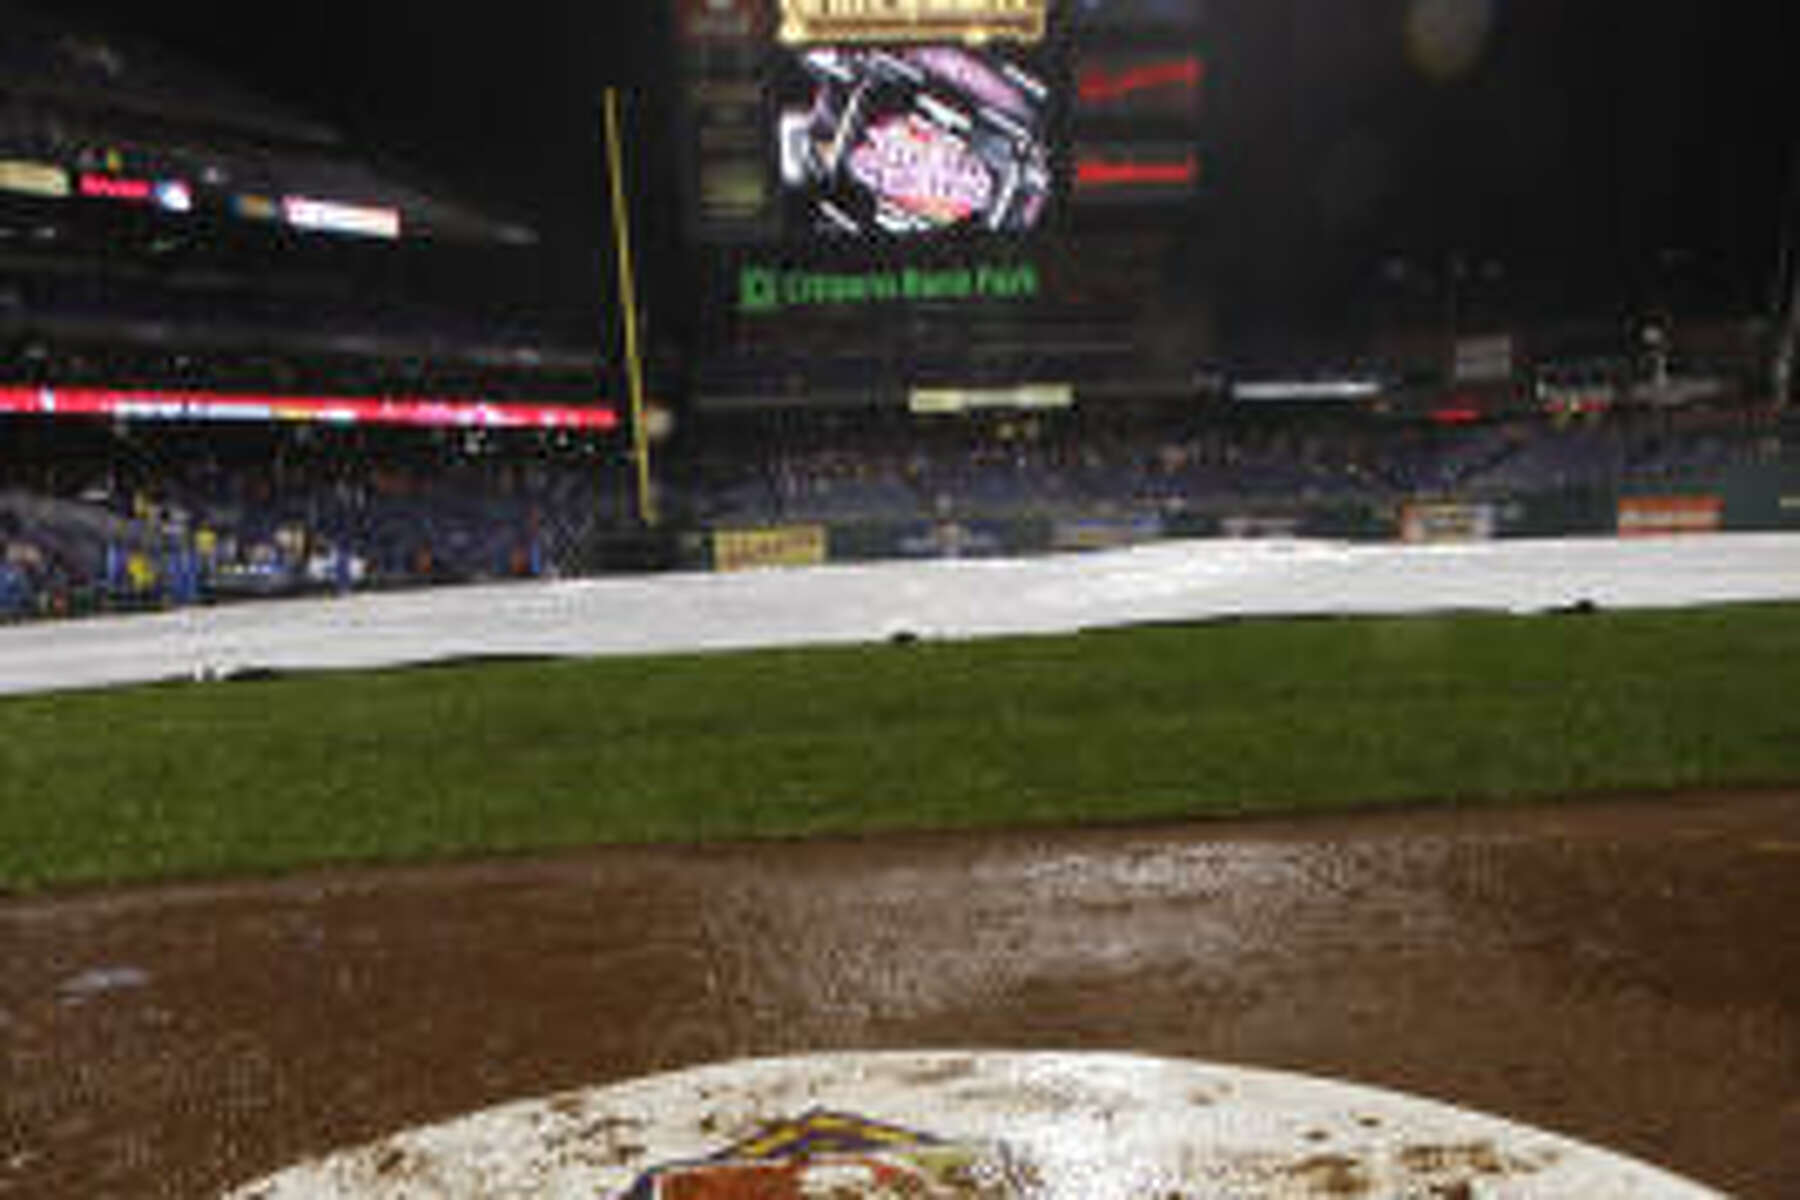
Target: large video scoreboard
[(855, 157)]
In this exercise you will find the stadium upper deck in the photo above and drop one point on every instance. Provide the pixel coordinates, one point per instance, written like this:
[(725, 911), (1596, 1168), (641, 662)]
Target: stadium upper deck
[(162, 227), (110, 110)]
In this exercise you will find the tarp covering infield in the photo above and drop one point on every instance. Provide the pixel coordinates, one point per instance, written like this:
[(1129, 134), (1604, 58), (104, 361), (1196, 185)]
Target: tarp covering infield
[(1171, 581), (1048, 1126)]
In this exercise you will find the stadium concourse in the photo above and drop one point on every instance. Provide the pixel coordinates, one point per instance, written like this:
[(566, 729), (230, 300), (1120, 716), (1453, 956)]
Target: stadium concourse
[(1623, 972)]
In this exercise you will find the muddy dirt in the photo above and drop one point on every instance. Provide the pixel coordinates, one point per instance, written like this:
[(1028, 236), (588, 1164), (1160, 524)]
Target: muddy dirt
[(1625, 972)]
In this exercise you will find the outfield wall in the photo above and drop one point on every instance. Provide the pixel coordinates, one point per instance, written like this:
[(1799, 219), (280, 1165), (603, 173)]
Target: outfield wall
[(1744, 500)]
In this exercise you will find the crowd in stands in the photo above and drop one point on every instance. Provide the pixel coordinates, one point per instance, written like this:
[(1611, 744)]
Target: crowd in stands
[(123, 520), (1062, 465), (102, 517)]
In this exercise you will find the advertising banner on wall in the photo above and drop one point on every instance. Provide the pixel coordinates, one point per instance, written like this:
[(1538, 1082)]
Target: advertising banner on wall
[(1663, 516), (1105, 533), (1260, 525), (760, 549), (865, 541), (1447, 522)]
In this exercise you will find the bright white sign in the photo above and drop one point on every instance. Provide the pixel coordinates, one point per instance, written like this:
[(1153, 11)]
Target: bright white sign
[(331, 216)]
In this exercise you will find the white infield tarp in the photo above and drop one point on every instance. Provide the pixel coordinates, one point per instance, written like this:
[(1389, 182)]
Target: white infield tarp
[(1166, 581)]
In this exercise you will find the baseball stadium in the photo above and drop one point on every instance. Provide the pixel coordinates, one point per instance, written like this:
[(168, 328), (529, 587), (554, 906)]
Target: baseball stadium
[(956, 682)]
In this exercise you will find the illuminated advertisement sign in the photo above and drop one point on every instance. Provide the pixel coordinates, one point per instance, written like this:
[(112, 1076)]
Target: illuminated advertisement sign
[(115, 187), (1135, 171), (1024, 397), (171, 195), (913, 140), (1665, 516), (812, 22), (330, 216), (33, 179), (1138, 84), (763, 290)]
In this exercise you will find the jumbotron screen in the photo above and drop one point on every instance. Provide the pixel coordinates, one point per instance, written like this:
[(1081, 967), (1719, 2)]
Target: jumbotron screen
[(913, 140), (835, 122)]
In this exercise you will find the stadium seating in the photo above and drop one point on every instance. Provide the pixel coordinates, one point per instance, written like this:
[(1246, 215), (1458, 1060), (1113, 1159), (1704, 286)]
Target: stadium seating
[(916, 472)]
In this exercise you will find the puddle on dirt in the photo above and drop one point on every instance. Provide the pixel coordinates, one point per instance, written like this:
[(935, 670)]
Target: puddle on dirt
[(164, 1044), (99, 981)]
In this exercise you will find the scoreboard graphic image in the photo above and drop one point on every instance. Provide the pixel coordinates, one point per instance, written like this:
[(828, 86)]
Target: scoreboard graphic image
[(913, 140), (883, 196), (831, 122)]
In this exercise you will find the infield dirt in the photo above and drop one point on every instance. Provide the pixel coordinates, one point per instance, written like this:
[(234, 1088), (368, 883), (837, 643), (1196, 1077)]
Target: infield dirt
[(1625, 972)]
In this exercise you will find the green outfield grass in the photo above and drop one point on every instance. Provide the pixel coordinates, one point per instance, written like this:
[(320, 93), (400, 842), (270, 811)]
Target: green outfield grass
[(1256, 717)]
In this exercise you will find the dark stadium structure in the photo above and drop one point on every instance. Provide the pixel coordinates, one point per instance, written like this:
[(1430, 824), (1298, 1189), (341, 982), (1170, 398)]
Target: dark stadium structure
[(238, 357), (992, 281), (975, 285), (977, 201)]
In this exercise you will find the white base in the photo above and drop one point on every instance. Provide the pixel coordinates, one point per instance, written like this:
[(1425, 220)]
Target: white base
[(1070, 1126)]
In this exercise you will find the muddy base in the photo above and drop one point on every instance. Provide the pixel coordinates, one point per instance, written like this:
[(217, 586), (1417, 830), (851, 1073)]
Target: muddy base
[(1627, 973)]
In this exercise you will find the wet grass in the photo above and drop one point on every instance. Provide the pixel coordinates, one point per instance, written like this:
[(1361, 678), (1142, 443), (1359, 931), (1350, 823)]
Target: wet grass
[(1255, 717)]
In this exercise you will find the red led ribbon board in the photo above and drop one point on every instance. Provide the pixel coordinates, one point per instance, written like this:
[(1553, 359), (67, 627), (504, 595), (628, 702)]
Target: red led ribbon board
[(422, 412)]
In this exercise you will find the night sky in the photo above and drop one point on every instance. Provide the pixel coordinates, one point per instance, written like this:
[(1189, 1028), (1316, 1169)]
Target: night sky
[(1601, 151)]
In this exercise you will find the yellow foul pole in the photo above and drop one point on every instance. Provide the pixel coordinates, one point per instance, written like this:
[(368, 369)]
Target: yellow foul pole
[(634, 367)]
